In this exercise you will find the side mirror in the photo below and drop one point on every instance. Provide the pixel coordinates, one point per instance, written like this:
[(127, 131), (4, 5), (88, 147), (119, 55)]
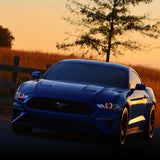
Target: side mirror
[(48, 66), (140, 87), (36, 75)]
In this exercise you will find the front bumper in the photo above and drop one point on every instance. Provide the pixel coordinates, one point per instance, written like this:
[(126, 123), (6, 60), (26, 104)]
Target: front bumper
[(106, 122)]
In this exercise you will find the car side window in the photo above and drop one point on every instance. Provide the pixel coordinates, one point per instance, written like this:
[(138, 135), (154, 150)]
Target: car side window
[(134, 79)]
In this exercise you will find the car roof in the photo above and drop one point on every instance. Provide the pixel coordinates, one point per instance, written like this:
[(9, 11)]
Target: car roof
[(107, 64)]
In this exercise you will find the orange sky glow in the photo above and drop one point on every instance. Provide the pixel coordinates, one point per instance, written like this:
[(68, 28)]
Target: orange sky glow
[(38, 25)]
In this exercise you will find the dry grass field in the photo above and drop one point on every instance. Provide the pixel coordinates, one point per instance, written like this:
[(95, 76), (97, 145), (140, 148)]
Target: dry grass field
[(30, 59), (150, 76)]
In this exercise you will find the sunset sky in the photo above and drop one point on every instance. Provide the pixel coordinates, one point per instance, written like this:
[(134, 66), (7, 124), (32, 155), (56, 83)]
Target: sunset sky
[(38, 25)]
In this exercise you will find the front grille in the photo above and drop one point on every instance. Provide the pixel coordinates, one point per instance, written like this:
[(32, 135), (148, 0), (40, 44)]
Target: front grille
[(58, 105)]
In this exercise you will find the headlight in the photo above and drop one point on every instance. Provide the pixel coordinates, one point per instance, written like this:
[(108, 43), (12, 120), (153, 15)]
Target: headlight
[(108, 106), (21, 96)]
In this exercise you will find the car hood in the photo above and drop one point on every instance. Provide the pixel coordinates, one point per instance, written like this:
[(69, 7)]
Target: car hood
[(71, 91)]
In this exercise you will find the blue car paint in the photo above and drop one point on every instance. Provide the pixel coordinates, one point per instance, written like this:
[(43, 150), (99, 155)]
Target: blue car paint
[(103, 121)]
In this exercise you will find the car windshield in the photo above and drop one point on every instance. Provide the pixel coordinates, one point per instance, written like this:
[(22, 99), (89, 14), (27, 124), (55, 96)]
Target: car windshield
[(88, 73)]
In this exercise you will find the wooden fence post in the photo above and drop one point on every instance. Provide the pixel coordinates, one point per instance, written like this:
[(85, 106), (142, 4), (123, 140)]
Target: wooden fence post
[(11, 84), (14, 73)]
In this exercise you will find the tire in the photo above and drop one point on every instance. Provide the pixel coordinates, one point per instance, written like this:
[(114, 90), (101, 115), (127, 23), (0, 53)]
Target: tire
[(123, 125), (149, 129)]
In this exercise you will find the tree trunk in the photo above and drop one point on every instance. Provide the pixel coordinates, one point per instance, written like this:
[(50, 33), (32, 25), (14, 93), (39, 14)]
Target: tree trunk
[(109, 42), (110, 34)]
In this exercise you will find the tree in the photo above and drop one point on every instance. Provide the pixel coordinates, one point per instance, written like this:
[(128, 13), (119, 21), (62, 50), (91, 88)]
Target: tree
[(6, 38), (105, 23)]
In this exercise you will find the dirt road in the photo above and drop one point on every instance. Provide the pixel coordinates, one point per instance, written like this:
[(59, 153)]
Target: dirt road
[(51, 143)]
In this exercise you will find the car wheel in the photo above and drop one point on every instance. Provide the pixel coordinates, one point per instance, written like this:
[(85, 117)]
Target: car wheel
[(149, 129), (123, 127)]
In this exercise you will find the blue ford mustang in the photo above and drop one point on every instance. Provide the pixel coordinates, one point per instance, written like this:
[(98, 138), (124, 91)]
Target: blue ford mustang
[(89, 96)]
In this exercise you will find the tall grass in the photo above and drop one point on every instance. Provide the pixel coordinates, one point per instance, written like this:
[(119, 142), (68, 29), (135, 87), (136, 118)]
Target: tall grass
[(35, 59), (30, 59)]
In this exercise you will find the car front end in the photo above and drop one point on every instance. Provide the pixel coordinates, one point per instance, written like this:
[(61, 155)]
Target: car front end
[(68, 106)]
